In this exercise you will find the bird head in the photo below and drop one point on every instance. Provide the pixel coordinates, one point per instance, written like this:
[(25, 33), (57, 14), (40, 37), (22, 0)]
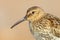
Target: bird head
[(32, 14)]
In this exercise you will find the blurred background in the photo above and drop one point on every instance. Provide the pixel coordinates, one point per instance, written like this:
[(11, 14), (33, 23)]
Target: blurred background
[(14, 10)]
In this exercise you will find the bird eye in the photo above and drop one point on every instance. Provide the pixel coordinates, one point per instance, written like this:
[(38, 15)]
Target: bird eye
[(33, 12)]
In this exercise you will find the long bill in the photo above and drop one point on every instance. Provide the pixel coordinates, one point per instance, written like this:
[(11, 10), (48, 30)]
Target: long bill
[(18, 22)]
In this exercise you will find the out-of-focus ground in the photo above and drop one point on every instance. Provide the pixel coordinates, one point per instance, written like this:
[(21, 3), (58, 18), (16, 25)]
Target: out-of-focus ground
[(13, 10)]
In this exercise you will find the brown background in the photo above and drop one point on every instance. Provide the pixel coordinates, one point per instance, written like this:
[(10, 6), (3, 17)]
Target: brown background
[(13, 10)]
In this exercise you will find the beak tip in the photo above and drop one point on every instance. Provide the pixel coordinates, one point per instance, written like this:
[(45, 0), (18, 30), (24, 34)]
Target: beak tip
[(17, 23), (11, 27)]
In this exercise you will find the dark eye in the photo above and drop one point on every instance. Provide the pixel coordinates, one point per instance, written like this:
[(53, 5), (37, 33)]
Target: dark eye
[(33, 12)]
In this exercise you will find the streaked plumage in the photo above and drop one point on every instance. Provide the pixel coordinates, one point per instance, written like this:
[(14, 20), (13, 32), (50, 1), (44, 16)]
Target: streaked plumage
[(43, 26)]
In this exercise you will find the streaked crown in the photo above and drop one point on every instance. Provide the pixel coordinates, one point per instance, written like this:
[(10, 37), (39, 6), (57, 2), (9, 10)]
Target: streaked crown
[(34, 13)]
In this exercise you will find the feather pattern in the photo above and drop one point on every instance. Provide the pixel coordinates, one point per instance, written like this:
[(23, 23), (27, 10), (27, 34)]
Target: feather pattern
[(46, 28)]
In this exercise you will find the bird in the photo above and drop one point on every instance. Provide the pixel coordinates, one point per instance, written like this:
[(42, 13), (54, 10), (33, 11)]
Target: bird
[(42, 25)]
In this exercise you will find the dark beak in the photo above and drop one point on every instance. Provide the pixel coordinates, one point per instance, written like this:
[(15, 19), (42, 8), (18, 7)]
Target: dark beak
[(20, 21)]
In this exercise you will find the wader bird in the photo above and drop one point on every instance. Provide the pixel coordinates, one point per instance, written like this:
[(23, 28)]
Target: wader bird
[(43, 26)]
